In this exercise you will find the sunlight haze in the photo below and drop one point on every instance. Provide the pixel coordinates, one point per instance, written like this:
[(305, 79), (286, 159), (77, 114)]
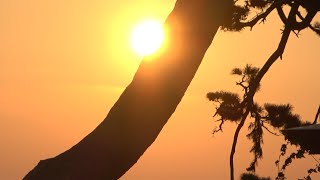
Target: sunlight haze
[(63, 64), (147, 37)]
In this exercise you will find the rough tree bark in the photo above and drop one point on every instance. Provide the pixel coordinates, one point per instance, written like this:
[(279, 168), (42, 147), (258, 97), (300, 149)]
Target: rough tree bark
[(136, 119)]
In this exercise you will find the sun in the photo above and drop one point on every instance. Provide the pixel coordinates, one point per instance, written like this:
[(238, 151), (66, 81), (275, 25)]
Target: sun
[(147, 37)]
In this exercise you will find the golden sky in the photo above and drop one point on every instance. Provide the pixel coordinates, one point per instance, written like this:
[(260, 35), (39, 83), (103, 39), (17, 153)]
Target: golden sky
[(63, 64)]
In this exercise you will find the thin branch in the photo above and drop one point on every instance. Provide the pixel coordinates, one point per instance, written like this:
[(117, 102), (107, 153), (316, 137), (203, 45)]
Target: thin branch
[(215, 112), (234, 144), (316, 117), (249, 99), (263, 15), (304, 23), (313, 28), (281, 14), (283, 152), (310, 171), (266, 128), (219, 102), (243, 86), (292, 22), (315, 158), (216, 130)]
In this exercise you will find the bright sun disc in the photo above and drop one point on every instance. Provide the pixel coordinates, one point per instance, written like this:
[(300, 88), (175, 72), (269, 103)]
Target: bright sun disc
[(147, 37)]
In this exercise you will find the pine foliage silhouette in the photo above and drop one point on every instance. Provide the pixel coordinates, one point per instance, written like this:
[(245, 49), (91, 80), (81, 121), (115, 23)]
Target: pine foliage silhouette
[(294, 21), (249, 176), (270, 118)]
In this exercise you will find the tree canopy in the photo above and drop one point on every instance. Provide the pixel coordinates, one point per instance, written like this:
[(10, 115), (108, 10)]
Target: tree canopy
[(296, 15)]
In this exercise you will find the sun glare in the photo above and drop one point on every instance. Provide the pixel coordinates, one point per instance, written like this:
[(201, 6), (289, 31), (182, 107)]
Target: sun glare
[(147, 37)]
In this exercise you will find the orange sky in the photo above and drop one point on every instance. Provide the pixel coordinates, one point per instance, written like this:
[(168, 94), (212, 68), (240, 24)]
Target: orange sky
[(63, 64)]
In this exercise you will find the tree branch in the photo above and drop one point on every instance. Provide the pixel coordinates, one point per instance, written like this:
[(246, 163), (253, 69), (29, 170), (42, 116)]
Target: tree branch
[(266, 128), (253, 87), (220, 127), (234, 144), (263, 15), (292, 21), (313, 28)]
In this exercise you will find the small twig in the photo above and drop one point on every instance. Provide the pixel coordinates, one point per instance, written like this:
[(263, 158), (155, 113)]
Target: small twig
[(283, 152), (314, 29), (317, 115), (243, 86), (215, 112), (220, 127), (296, 33), (266, 128), (310, 171), (314, 158)]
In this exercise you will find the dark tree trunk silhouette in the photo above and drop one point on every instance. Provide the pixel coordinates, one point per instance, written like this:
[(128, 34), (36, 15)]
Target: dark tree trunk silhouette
[(145, 106)]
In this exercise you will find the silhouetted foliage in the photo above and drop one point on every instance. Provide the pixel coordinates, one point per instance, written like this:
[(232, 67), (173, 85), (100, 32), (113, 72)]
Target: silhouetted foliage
[(280, 115), (295, 155), (294, 20), (299, 154), (250, 176), (243, 10), (230, 107)]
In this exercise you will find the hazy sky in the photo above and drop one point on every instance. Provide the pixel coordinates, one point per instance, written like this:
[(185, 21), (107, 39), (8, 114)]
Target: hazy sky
[(63, 64)]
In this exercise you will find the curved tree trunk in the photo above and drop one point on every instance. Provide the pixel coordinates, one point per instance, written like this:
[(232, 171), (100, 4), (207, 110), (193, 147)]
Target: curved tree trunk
[(145, 106)]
